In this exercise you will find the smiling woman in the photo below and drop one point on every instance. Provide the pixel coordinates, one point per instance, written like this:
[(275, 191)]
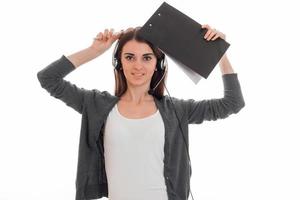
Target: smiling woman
[(139, 66), (130, 143)]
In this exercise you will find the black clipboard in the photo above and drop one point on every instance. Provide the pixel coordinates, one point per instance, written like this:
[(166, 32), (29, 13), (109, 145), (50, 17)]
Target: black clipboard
[(182, 38)]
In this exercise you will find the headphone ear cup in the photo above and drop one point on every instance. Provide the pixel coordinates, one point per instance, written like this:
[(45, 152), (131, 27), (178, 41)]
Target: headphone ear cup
[(161, 67), (116, 64), (162, 64), (115, 61)]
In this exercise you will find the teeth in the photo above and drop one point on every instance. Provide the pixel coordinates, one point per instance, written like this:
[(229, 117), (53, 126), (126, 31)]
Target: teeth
[(137, 74)]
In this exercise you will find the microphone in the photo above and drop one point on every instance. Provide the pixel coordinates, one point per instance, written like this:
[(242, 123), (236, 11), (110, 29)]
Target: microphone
[(151, 91)]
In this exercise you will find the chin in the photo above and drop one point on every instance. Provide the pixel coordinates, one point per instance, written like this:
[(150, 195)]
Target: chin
[(138, 82)]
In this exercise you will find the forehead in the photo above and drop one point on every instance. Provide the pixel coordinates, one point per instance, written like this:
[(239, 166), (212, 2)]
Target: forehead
[(136, 47)]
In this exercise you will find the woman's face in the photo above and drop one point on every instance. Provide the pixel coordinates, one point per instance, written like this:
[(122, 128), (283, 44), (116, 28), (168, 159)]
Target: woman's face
[(138, 63)]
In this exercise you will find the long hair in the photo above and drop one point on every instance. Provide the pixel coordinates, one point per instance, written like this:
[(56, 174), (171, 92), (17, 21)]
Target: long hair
[(120, 79)]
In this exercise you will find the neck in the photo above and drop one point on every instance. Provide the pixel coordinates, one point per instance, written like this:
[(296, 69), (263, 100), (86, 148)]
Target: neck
[(137, 95)]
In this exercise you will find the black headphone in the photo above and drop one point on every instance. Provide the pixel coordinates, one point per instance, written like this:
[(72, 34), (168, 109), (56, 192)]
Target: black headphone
[(160, 66)]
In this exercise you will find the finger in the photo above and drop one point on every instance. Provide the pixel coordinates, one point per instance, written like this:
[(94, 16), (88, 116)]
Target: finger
[(105, 33), (215, 37), (117, 34), (99, 36), (212, 34), (114, 35), (111, 31), (113, 38), (207, 33)]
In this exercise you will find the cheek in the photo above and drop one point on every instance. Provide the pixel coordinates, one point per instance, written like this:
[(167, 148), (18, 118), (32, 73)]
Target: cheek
[(152, 65), (151, 70)]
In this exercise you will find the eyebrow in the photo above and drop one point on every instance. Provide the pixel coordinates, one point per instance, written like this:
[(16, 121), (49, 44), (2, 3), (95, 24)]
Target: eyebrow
[(146, 54)]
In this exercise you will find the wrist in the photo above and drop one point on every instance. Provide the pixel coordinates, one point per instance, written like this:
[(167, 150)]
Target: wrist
[(225, 65), (95, 51)]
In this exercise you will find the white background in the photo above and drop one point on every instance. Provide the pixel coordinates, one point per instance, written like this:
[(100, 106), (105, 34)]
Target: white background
[(254, 154)]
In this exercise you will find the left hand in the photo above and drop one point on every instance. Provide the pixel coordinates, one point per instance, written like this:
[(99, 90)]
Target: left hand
[(212, 33)]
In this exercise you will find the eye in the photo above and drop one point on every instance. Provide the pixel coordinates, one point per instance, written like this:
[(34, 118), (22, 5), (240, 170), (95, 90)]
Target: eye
[(128, 57), (147, 58)]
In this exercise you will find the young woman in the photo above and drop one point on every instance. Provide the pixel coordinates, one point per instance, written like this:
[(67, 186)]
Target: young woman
[(134, 144)]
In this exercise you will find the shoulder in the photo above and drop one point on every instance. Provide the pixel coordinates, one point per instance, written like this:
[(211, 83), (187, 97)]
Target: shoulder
[(175, 100), (98, 95), (170, 102)]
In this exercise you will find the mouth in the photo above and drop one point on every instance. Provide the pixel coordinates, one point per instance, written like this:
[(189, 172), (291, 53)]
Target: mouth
[(138, 74)]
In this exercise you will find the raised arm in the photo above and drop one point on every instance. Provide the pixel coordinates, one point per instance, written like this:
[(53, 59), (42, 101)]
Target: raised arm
[(233, 100), (213, 109), (51, 77), (102, 42)]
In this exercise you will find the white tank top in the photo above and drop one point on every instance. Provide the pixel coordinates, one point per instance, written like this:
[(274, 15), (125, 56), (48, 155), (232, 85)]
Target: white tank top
[(134, 153)]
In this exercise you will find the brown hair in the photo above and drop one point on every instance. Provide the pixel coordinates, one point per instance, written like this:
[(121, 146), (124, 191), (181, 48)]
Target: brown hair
[(120, 79)]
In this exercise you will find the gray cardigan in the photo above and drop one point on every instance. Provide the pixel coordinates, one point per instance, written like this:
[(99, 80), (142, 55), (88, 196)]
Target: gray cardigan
[(95, 105)]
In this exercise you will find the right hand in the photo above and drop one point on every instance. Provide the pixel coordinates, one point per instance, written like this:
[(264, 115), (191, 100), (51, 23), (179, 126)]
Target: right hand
[(103, 41)]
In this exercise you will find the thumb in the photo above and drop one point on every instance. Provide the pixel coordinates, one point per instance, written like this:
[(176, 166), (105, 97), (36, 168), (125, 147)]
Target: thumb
[(112, 39), (115, 36)]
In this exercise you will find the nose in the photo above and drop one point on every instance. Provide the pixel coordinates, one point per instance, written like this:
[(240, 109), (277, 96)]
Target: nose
[(138, 64)]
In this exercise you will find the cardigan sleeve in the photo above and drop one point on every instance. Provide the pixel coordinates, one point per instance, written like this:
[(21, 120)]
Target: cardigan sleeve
[(51, 79), (213, 109)]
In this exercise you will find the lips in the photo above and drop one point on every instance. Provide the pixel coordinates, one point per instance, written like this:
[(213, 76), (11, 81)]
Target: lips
[(138, 74)]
